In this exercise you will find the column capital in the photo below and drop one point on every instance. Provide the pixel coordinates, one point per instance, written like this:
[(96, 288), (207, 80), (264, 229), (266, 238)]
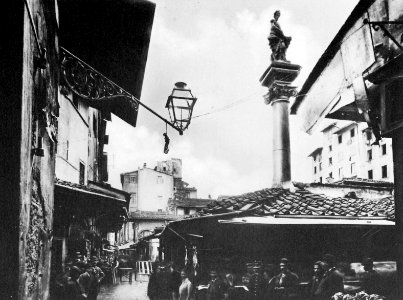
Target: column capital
[(279, 90)]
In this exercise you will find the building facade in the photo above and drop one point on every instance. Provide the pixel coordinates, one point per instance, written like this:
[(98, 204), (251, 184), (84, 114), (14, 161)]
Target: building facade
[(362, 68), (349, 150), (157, 196), (34, 68), (86, 207)]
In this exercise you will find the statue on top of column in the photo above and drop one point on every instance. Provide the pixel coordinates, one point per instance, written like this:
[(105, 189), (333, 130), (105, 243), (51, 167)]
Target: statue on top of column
[(277, 40)]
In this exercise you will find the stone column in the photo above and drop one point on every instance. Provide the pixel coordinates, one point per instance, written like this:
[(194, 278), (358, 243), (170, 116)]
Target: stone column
[(278, 78)]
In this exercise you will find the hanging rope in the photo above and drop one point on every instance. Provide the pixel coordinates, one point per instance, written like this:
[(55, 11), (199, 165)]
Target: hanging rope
[(166, 138)]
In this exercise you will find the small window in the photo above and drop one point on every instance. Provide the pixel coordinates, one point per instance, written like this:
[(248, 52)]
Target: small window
[(67, 150), (320, 179), (369, 154), (331, 174), (369, 135), (384, 149), (340, 139), (187, 211), (352, 132), (330, 161), (314, 170), (353, 171), (160, 179), (384, 171), (320, 166), (370, 174), (330, 148), (82, 173)]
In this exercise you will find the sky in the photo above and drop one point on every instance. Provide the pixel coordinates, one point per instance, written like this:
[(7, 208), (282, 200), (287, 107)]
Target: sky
[(220, 49)]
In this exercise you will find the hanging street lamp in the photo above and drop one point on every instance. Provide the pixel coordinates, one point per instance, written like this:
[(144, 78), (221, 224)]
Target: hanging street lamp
[(180, 106)]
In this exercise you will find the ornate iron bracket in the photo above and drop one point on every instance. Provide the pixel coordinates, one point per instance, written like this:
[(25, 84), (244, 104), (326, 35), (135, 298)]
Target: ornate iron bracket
[(380, 25), (89, 84)]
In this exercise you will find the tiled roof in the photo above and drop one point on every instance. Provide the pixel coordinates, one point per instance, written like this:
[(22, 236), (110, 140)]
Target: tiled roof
[(151, 215), (192, 202), (364, 182), (84, 188), (282, 202)]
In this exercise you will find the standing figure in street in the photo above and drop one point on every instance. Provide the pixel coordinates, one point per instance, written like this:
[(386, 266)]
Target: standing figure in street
[(96, 278), (115, 266), (257, 284), (278, 42), (86, 281), (284, 285), (371, 280), (154, 288), (73, 289), (215, 289), (332, 281), (186, 287), (230, 287), (174, 283), (316, 279)]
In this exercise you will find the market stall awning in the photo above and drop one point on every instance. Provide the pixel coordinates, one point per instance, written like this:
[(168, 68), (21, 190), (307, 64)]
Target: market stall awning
[(93, 200), (126, 246), (89, 192), (304, 220)]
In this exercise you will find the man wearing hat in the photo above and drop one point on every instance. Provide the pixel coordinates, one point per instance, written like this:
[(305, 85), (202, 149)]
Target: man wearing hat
[(284, 284), (332, 281), (96, 275)]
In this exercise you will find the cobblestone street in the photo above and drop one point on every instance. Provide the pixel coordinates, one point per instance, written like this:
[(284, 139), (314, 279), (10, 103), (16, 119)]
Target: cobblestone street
[(124, 291)]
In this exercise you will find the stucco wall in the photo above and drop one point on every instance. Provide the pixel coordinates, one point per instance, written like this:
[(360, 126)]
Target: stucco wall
[(341, 191), (73, 140), (154, 190)]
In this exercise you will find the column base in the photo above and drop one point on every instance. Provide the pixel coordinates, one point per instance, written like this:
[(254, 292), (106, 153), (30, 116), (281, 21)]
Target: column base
[(288, 185)]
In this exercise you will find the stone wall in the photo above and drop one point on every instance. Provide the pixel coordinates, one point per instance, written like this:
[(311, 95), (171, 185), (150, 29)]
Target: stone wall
[(29, 76)]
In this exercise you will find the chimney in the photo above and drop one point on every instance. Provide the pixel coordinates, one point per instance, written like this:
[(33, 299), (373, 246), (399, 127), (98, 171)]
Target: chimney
[(278, 78)]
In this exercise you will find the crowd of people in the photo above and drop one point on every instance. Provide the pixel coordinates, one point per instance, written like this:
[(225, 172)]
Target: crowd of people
[(326, 281), (81, 278)]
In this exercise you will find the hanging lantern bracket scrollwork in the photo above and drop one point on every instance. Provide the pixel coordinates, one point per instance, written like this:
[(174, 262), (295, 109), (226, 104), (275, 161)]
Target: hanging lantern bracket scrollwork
[(89, 84)]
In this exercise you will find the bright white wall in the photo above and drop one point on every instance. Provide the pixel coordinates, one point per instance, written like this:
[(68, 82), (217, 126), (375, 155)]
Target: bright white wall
[(154, 190), (72, 140)]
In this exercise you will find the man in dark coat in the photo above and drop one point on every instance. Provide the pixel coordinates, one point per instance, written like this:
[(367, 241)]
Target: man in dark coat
[(174, 282), (332, 281), (316, 279), (154, 286), (371, 280), (284, 285), (73, 289), (215, 289)]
